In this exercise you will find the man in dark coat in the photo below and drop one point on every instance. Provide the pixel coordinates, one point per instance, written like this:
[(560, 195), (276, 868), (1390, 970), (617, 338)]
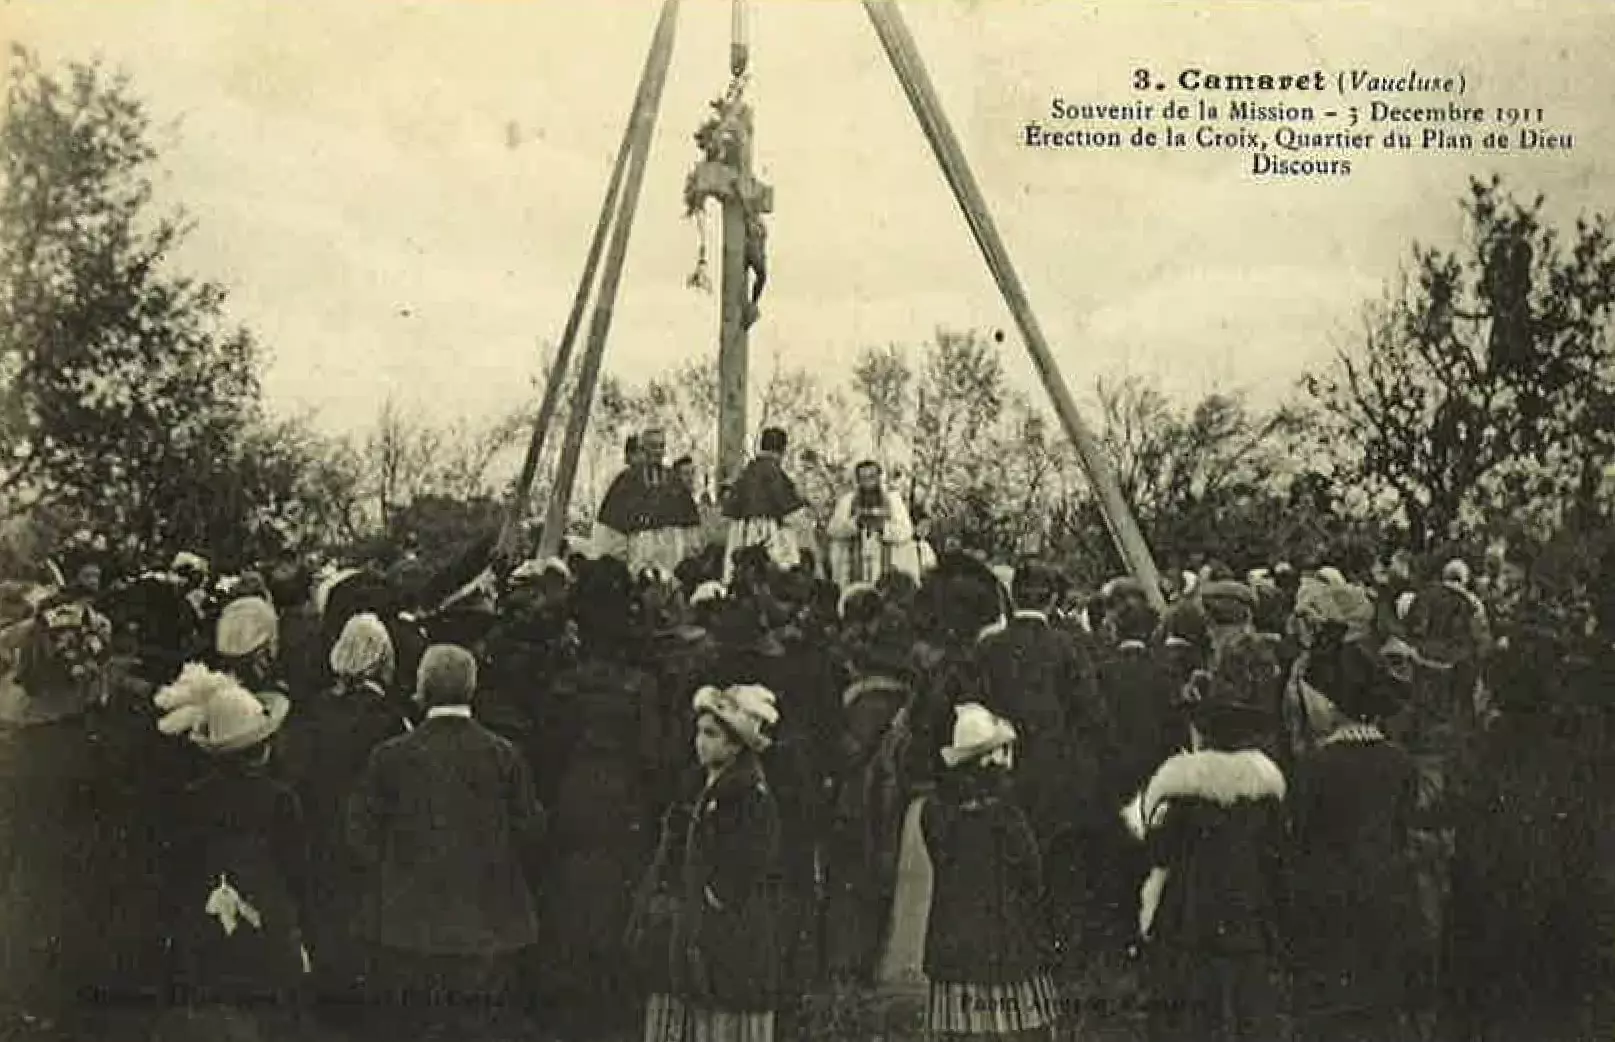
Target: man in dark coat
[(447, 820), (302, 661), (1040, 679), (1148, 726)]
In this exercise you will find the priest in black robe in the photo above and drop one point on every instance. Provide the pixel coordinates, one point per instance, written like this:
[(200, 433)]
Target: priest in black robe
[(648, 518), (763, 507)]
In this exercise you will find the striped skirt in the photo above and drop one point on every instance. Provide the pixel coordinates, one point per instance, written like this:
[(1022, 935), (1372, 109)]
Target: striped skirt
[(670, 1019), (991, 1009)]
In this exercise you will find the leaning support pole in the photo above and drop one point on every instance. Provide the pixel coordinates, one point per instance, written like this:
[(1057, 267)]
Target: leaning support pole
[(642, 129), (509, 535), (922, 96)]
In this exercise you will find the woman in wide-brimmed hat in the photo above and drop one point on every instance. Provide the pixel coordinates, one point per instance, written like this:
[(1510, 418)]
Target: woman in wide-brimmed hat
[(713, 892), (236, 880)]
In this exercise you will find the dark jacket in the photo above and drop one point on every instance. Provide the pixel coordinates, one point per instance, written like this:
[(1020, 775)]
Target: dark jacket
[(1213, 900), (303, 654), (238, 828), (1213, 825), (446, 819), (327, 743), (984, 926), (862, 845), (725, 948), (1039, 679), (600, 836), (1353, 904), (1136, 684)]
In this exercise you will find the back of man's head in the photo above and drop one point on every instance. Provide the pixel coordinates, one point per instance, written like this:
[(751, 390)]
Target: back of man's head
[(1035, 586), (447, 676), (773, 440)]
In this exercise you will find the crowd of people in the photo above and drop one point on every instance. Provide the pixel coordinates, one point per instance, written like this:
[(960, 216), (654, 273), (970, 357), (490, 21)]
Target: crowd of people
[(603, 795)]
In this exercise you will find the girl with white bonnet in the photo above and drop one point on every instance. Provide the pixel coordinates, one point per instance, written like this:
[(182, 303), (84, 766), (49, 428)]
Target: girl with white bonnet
[(326, 748), (986, 952), (712, 896)]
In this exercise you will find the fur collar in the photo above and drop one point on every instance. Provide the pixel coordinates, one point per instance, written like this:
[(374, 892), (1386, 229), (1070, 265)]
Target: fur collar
[(1223, 778), (1220, 777)]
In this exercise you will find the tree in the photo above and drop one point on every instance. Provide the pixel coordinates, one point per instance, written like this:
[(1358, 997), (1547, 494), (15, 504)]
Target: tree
[(404, 457), (883, 380), (960, 395), (1482, 383), (120, 380), (1213, 481)]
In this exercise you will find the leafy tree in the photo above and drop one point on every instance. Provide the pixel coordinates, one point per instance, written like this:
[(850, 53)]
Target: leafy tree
[(121, 381), (960, 394), (1482, 384), (883, 381), (819, 420)]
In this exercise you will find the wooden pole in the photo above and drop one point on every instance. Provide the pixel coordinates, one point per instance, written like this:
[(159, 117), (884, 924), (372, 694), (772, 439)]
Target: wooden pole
[(733, 341), (574, 319), (922, 96), (642, 130)]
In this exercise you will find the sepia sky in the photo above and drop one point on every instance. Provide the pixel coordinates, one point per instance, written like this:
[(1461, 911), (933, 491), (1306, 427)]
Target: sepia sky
[(399, 194)]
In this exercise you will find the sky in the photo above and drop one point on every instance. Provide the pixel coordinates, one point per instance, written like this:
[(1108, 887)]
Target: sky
[(399, 194)]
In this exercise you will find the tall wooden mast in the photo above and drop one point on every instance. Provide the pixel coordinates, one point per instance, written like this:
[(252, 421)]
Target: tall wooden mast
[(922, 96), (642, 128)]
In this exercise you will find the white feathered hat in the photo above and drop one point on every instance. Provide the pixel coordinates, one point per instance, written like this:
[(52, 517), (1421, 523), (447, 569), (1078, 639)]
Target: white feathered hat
[(976, 733), (750, 710), (216, 713)]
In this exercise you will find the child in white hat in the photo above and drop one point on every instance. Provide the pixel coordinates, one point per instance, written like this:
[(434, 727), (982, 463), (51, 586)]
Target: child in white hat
[(986, 954), (715, 884)]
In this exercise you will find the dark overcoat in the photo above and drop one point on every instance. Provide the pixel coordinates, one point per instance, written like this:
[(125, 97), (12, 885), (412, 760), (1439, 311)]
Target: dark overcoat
[(1532, 894), (1353, 912), (328, 741), (599, 837), (725, 950), (985, 925), (447, 823), (1039, 679), (1214, 830), (238, 830)]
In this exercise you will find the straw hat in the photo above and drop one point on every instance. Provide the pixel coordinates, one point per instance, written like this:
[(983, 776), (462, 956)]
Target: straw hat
[(976, 733), (750, 710), (216, 713)]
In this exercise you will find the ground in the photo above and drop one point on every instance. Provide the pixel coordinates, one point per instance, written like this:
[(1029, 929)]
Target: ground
[(889, 1016)]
